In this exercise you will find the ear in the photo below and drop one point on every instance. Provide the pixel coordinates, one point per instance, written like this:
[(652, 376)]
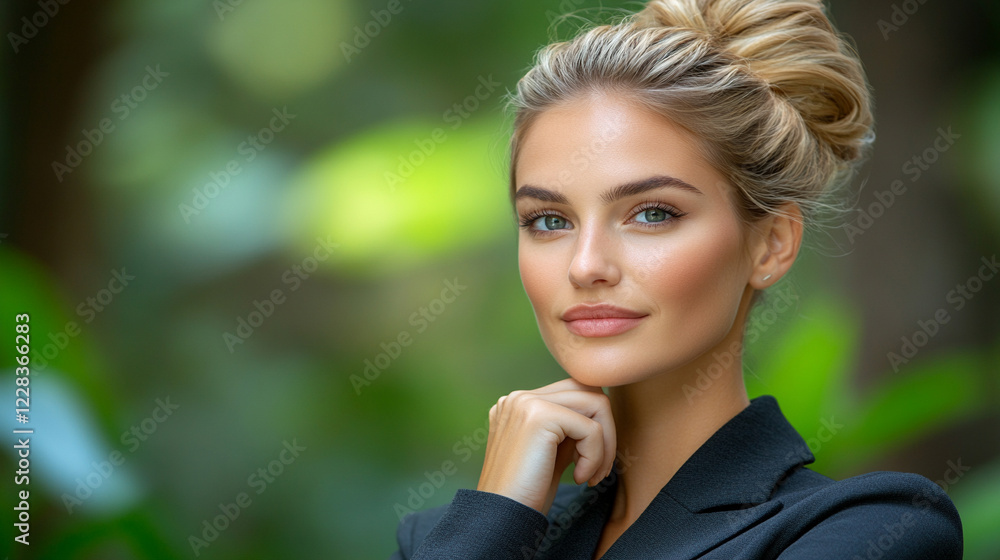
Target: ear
[(776, 245)]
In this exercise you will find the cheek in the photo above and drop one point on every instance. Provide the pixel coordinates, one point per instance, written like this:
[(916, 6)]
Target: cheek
[(539, 276), (698, 279)]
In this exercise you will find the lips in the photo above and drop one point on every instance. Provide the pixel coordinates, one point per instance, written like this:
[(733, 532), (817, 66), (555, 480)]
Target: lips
[(600, 320)]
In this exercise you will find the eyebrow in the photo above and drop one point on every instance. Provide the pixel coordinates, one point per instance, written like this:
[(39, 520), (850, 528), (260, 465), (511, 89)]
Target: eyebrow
[(624, 190)]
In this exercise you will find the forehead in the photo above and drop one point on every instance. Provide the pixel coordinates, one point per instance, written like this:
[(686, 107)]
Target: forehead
[(601, 140)]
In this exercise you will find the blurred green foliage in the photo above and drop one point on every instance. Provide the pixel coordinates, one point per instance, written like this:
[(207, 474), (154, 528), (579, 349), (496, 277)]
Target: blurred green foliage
[(396, 156)]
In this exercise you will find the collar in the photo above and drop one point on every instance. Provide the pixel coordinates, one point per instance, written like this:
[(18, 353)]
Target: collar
[(721, 490), (743, 462)]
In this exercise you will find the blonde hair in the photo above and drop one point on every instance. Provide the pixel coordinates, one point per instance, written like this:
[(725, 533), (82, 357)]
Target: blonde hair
[(777, 96)]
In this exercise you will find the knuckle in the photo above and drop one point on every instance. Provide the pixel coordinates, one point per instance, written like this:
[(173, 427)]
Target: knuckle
[(550, 438), (533, 409), (523, 399), (517, 396), (595, 427)]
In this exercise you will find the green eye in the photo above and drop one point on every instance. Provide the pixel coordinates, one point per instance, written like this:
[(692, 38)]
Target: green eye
[(548, 223), (651, 215)]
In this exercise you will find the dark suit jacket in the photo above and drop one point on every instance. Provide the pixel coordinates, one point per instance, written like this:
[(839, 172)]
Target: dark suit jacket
[(743, 494)]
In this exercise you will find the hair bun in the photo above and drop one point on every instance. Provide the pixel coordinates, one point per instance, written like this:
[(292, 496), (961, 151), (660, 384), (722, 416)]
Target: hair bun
[(792, 46), (776, 96)]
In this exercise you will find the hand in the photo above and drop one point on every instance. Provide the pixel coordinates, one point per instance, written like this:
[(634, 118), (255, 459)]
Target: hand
[(535, 435)]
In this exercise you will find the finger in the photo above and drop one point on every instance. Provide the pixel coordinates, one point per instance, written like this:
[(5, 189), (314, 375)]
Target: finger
[(597, 407), (565, 455), (592, 404), (586, 432)]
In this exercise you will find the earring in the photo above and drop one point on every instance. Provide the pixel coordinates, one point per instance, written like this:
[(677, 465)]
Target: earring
[(764, 279)]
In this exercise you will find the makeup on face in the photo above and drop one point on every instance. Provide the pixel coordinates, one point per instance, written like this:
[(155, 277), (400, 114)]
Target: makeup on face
[(632, 260)]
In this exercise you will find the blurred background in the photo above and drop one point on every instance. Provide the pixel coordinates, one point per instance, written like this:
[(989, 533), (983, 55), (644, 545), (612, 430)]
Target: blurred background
[(271, 274)]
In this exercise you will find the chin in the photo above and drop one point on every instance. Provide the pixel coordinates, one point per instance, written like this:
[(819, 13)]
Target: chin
[(605, 367), (623, 360)]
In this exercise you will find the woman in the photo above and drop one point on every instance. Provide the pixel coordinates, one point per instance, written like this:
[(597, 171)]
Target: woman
[(663, 170)]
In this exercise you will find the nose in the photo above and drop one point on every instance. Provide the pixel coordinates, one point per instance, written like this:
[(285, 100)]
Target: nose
[(594, 259)]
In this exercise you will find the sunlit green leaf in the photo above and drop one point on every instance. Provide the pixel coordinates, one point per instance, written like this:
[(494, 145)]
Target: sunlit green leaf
[(399, 194)]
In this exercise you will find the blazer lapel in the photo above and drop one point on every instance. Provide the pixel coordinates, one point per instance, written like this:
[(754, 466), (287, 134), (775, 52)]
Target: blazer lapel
[(669, 530), (721, 491)]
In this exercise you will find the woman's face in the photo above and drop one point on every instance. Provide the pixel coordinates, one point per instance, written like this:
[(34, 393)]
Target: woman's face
[(618, 207)]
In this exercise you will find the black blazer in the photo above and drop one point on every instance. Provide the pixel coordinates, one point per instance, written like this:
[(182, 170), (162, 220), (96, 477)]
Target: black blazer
[(743, 494)]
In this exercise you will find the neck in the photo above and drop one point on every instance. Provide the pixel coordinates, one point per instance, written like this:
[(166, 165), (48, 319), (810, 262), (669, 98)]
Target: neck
[(661, 421)]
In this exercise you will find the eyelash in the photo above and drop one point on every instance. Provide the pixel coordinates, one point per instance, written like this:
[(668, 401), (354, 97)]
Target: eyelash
[(529, 219)]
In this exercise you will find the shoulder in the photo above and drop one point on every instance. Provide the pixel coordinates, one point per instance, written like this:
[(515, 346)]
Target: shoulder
[(885, 514), (914, 491)]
